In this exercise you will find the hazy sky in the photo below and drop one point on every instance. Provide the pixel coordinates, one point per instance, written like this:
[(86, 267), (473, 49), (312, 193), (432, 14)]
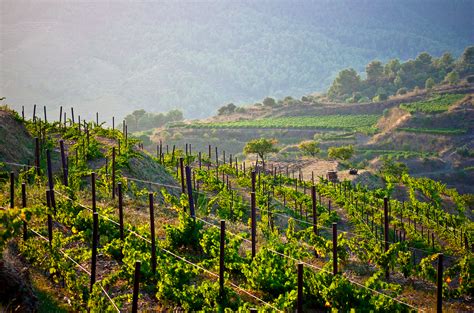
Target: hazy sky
[(117, 56)]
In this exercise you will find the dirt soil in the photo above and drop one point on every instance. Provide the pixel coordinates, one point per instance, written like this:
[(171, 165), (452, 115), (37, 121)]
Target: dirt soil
[(16, 144), (16, 294)]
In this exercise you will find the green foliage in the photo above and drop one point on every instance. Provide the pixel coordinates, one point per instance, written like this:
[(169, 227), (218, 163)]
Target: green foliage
[(269, 102), (435, 131), (140, 120), (309, 147), (261, 146), (465, 151), (185, 235), (396, 77), (392, 168), (362, 123), (452, 78), (343, 153), (226, 109), (437, 104), (11, 221), (430, 83), (346, 83)]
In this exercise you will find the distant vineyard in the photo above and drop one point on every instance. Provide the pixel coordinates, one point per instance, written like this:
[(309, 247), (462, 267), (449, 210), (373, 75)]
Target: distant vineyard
[(395, 153), (435, 131), (434, 105), (363, 123)]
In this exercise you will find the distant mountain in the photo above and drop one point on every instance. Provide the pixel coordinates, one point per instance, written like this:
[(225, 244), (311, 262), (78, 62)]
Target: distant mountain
[(114, 57)]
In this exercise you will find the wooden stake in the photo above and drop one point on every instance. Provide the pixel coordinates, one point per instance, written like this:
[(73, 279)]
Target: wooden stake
[(190, 191), (439, 290), (253, 223), (136, 286), (299, 306), (23, 204), (12, 190), (63, 162), (334, 248), (94, 248), (152, 232), (120, 206), (221, 260), (113, 172)]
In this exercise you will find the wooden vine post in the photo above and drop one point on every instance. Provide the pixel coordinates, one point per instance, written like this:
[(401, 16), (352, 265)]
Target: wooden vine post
[(94, 248), (120, 206), (299, 306), (37, 156), (386, 230), (253, 222), (152, 232), (190, 191), (439, 290), (50, 179), (94, 202), (12, 190), (63, 162), (313, 205), (181, 167), (50, 220), (136, 287), (334, 248), (113, 173), (23, 204), (221, 261), (253, 180)]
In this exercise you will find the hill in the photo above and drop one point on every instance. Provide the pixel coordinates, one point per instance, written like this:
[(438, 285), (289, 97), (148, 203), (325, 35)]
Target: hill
[(196, 56), (86, 248), (430, 130), (17, 151)]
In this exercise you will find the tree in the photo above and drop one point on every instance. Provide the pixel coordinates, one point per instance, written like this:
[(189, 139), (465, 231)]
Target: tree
[(346, 82), (261, 147), (226, 109), (452, 77), (392, 168), (391, 69), (445, 62), (309, 147), (342, 153), (430, 83), (465, 64), (269, 102), (138, 114), (174, 116), (374, 71), (402, 91)]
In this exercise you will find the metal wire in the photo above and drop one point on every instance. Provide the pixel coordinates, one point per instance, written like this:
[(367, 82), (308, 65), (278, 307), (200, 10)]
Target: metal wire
[(80, 267)]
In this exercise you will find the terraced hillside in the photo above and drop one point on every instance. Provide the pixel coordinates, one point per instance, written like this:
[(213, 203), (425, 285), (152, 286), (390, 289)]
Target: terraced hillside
[(430, 131)]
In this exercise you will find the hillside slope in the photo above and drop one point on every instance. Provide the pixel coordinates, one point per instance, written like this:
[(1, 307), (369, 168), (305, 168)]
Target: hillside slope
[(17, 148), (16, 144), (196, 56)]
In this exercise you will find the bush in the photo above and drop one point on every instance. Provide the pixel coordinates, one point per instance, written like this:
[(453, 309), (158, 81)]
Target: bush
[(402, 91), (364, 100), (226, 109), (177, 136), (269, 102), (343, 153)]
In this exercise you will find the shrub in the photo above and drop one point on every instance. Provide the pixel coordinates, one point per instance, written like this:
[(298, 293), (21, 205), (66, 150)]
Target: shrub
[(402, 91)]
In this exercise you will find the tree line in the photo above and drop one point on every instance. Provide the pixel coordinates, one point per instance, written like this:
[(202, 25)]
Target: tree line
[(395, 77), (140, 120)]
